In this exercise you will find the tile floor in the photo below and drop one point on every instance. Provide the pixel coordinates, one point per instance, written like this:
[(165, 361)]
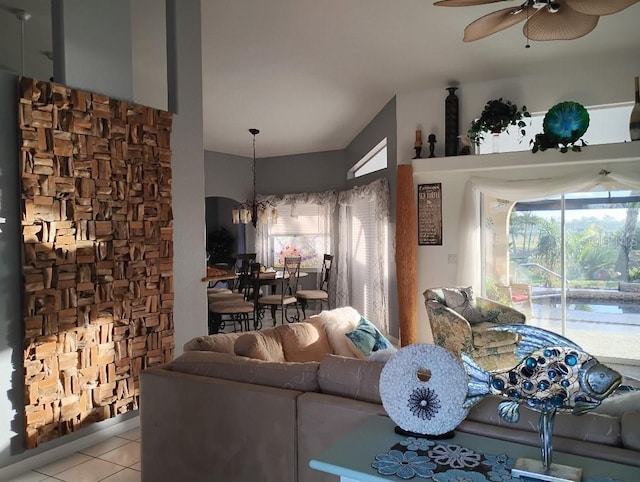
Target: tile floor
[(114, 460)]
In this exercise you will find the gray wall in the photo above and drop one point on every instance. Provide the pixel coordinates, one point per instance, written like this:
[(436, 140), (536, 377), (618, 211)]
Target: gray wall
[(11, 371), (190, 310), (312, 172), (227, 175), (384, 124), (96, 53)]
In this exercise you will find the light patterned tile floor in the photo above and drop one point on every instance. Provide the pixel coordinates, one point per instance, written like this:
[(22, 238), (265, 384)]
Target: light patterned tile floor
[(114, 460)]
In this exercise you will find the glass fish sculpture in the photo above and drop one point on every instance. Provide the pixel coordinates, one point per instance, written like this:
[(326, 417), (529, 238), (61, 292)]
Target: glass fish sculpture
[(554, 374)]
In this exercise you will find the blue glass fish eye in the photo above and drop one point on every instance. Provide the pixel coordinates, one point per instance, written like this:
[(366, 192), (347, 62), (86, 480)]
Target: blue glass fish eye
[(565, 383), (552, 374), (513, 378), (556, 401), (513, 393), (547, 352), (571, 359), (527, 385), (498, 384), (543, 385), (531, 363)]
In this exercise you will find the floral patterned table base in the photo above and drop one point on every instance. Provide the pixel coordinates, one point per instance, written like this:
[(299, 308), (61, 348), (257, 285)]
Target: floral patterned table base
[(424, 458)]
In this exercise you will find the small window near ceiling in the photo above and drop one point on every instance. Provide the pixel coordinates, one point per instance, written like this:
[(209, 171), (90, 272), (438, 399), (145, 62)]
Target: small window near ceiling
[(374, 160), (608, 124)]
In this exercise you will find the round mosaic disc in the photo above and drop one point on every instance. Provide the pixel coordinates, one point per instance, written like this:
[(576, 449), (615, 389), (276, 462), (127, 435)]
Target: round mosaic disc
[(430, 407)]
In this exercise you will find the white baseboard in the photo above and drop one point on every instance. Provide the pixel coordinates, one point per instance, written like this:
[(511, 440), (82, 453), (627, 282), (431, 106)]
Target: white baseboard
[(62, 451)]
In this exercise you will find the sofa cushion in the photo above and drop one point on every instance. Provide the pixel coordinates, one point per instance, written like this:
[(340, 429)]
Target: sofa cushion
[(350, 377), (302, 342), (619, 404), (630, 423), (294, 376), (337, 323), (590, 427), (484, 338), (367, 338), (222, 342), (262, 345)]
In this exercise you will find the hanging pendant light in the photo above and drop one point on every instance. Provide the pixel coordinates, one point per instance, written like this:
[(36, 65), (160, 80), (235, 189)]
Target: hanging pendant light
[(252, 211)]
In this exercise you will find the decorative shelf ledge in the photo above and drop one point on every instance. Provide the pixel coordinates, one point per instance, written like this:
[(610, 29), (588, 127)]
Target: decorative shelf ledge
[(620, 152)]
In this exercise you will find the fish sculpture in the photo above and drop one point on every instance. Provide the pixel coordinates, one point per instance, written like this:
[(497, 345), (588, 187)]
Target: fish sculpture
[(553, 374)]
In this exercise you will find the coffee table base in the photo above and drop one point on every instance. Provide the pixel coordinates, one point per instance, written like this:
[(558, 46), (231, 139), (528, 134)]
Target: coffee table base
[(530, 470)]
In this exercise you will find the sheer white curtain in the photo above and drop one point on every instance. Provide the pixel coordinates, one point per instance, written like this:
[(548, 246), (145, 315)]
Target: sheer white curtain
[(378, 193), (585, 178)]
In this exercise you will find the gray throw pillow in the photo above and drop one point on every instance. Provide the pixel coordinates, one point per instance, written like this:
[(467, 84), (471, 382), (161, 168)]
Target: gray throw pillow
[(463, 302)]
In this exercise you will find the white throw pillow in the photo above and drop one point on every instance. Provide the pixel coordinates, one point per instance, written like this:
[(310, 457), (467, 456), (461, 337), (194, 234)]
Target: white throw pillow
[(337, 323)]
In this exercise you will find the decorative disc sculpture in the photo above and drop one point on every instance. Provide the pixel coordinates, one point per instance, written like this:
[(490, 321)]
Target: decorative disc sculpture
[(553, 375), (423, 389)]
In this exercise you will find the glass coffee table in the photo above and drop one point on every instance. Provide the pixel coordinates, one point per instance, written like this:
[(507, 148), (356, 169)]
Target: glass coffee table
[(481, 458)]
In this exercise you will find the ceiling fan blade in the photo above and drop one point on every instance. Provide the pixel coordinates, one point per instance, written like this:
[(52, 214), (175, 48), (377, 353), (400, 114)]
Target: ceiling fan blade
[(598, 7), (495, 22), (464, 3), (566, 24)]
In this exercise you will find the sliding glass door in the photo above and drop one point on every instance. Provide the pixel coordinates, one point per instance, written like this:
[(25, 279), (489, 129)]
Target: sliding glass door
[(579, 256)]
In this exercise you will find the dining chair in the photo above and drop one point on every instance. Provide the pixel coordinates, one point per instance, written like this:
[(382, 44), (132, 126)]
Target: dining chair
[(321, 293), (239, 311), (286, 297), (242, 266)]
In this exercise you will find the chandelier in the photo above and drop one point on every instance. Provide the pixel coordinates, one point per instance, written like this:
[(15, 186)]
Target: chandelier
[(252, 211)]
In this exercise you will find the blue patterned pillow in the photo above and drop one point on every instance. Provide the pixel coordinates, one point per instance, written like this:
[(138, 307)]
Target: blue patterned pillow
[(367, 338)]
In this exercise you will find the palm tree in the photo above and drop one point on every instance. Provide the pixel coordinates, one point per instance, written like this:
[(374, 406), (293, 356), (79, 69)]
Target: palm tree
[(627, 239)]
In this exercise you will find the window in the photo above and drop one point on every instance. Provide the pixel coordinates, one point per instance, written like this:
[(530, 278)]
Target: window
[(607, 124), (580, 255), (374, 160), (362, 257), (302, 230)]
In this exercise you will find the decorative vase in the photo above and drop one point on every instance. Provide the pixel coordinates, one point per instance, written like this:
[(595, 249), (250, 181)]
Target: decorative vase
[(451, 123), (495, 142), (634, 120)]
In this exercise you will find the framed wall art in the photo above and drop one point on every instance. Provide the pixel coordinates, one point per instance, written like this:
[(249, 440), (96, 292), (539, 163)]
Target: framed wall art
[(430, 214)]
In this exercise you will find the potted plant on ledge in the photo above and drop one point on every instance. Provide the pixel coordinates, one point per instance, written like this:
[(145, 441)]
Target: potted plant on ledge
[(497, 116)]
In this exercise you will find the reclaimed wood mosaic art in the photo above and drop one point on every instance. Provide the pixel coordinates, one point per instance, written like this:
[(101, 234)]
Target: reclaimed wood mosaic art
[(97, 254)]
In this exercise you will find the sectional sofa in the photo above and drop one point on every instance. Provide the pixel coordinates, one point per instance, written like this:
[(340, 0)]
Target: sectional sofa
[(258, 406)]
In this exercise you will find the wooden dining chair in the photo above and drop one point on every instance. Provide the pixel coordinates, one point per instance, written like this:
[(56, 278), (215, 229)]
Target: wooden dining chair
[(286, 297), (321, 293)]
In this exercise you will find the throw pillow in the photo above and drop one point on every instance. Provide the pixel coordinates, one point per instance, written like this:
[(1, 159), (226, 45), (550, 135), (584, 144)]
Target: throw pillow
[(336, 323), (367, 338), (463, 302)]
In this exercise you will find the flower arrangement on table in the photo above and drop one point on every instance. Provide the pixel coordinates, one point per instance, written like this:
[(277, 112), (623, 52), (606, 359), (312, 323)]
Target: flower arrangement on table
[(496, 117), (287, 252)]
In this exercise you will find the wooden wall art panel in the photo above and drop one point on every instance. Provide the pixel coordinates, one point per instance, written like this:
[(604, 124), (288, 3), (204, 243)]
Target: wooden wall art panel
[(97, 254)]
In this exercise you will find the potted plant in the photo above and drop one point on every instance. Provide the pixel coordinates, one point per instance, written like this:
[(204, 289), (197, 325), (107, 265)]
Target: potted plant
[(496, 117)]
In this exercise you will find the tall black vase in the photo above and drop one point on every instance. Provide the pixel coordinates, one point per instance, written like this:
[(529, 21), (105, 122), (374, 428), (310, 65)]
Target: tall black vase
[(451, 123)]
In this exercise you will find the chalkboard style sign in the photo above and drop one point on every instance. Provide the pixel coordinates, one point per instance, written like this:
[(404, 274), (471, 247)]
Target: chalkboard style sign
[(430, 214)]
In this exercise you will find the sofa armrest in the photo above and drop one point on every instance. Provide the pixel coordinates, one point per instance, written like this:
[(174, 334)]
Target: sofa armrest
[(450, 330), (498, 313)]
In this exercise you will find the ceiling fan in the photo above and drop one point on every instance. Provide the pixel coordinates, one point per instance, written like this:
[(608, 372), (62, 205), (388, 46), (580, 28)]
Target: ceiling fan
[(545, 19)]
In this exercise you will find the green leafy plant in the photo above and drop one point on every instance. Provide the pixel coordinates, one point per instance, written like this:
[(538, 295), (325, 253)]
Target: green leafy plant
[(496, 117)]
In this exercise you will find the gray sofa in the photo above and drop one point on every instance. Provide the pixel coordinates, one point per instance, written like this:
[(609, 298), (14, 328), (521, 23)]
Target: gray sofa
[(212, 414)]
